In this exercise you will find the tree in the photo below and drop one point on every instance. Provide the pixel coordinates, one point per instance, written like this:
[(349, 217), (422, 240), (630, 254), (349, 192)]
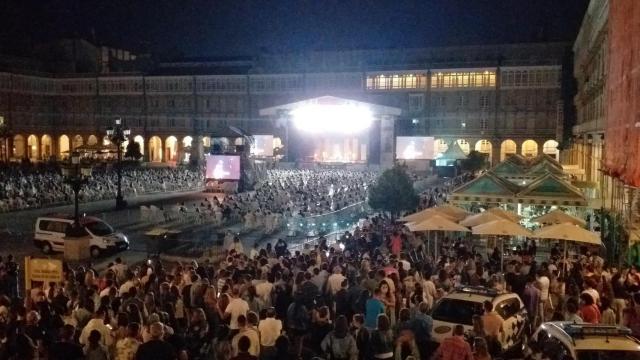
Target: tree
[(393, 191), (474, 162), (133, 151)]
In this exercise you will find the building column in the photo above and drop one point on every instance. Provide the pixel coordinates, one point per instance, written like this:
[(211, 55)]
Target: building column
[(540, 147), (519, 147), (197, 148), (147, 149), (9, 144), (179, 152), (495, 152)]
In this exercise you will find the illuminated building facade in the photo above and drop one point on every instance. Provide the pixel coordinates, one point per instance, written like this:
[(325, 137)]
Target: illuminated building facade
[(497, 99)]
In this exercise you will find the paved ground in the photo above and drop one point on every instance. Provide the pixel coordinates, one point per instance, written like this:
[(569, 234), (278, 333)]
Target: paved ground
[(21, 225)]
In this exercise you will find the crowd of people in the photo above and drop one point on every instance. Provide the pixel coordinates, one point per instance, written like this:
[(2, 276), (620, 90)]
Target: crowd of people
[(368, 299), (286, 195), (28, 186)]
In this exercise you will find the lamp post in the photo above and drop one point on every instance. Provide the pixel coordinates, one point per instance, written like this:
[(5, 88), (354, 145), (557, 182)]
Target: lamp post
[(76, 175), (118, 134)]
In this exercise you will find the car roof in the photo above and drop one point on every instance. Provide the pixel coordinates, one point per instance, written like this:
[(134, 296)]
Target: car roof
[(592, 337), (478, 294)]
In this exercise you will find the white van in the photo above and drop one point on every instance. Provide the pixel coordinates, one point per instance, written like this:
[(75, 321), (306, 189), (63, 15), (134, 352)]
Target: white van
[(50, 233)]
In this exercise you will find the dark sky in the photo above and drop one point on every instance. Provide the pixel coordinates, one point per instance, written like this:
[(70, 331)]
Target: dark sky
[(239, 27)]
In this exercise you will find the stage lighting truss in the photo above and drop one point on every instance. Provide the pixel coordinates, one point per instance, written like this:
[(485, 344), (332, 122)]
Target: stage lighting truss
[(344, 119)]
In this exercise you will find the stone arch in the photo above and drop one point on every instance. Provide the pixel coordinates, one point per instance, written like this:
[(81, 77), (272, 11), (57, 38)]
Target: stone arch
[(105, 140), (33, 148), (46, 147), (550, 147), (507, 147), (77, 141), (187, 143), (92, 140), (206, 141), (63, 145), (19, 147), (155, 149), (238, 141), (140, 141), (484, 146), (464, 146), (171, 148), (529, 148), (439, 147)]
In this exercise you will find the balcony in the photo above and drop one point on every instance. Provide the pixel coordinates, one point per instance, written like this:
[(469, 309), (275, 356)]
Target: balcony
[(594, 126)]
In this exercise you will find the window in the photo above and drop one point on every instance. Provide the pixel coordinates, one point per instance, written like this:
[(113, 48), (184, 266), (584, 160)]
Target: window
[(396, 81), (53, 226), (442, 101), (416, 102), (463, 79), (463, 100), (172, 103), (483, 124), (456, 311), (484, 102), (172, 122), (99, 228), (508, 308)]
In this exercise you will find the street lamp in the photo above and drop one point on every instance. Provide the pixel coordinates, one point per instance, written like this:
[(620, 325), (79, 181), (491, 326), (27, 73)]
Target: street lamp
[(118, 134), (76, 174)]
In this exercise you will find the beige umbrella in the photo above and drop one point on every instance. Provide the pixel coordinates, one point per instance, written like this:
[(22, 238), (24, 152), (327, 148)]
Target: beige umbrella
[(453, 211), (559, 217), (568, 232), (505, 214), (481, 218), (437, 223), (502, 227), (423, 215)]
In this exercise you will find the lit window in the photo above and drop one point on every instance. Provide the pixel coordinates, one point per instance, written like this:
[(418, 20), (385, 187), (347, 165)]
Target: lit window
[(396, 82)]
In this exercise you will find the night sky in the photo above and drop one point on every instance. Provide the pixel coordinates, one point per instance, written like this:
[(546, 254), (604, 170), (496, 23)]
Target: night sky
[(192, 28)]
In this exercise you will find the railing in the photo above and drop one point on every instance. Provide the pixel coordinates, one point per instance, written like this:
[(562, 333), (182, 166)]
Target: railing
[(328, 222)]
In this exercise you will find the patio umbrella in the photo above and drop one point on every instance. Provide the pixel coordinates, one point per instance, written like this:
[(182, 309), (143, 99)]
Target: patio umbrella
[(481, 218), (423, 215), (437, 223), (502, 227), (453, 211), (558, 217), (505, 214), (568, 232)]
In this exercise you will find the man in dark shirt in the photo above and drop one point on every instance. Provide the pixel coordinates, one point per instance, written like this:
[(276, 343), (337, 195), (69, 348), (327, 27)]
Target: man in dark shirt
[(243, 350), (156, 348), (66, 348)]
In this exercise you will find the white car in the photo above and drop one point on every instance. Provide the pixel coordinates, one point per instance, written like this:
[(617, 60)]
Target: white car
[(459, 306), (51, 230), (572, 341)]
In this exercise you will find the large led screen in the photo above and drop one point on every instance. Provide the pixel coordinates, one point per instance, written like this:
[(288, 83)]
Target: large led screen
[(223, 167), (262, 145), (414, 148)]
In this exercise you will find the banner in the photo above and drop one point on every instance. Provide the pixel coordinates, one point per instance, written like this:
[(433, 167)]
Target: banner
[(42, 270)]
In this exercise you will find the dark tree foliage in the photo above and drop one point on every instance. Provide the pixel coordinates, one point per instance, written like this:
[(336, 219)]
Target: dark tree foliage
[(393, 192), (133, 151), (474, 162)]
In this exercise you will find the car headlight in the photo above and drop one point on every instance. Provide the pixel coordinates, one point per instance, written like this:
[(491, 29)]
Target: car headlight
[(107, 241)]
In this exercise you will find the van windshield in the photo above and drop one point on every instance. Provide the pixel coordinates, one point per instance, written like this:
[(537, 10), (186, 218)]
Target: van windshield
[(99, 228)]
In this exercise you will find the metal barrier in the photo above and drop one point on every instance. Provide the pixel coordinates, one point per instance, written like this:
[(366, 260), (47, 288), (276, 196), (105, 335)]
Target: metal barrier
[(328, 222)]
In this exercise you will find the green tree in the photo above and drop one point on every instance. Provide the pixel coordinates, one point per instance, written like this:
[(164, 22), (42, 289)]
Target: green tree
[(474, 162), (393, 192), (133, 151)]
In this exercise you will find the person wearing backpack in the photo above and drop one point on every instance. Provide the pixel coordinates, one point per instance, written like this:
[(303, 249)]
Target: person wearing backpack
[(339, 344)]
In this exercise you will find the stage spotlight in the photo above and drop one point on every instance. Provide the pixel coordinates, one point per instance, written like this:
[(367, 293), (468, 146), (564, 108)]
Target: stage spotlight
[(346, 119)]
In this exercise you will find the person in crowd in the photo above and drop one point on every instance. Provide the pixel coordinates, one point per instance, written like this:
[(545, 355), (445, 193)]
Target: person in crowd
[(339, 344), (454, 347), (156, 348)]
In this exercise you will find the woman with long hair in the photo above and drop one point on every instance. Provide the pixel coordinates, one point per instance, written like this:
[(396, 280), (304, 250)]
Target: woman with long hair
[(382, 341), (198, 335), (388, 298)]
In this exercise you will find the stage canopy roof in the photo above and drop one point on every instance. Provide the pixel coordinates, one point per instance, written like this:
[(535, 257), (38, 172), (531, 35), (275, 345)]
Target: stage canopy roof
[(454, 152), (330, 101)]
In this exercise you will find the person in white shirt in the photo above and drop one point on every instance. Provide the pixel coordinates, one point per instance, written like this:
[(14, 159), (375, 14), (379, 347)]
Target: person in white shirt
[(270, 329), (97, 323), (543, 285), (334, 282), (237, 306), (251, 333)]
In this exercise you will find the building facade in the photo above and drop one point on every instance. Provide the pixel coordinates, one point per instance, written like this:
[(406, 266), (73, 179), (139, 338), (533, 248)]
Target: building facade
[(590, 71), (497, 99)]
